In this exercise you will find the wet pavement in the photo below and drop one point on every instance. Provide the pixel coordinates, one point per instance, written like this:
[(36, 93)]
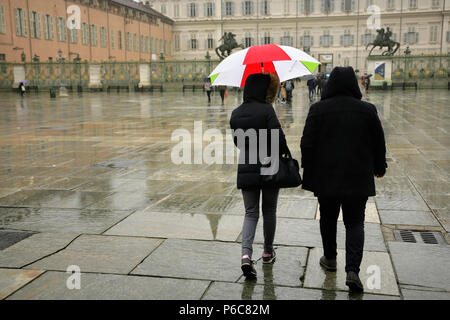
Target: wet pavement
[(88, 181)]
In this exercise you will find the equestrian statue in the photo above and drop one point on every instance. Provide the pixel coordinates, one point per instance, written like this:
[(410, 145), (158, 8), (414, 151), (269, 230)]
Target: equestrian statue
[(229, 43), (383, 39)]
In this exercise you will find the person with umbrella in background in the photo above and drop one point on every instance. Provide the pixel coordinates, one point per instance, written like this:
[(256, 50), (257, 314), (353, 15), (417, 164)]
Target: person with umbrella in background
[(207, 87), (22, 88), (343, 148)]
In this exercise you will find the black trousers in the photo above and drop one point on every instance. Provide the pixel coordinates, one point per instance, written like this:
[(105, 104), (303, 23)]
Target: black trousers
[(353, 209)]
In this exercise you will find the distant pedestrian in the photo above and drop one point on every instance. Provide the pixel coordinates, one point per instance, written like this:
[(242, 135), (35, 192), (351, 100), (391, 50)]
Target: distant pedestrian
[(253, 115), (208, 89), (311, 88), (22, 88), (283, 92), (222, 90), (343, 148), (289, 86)]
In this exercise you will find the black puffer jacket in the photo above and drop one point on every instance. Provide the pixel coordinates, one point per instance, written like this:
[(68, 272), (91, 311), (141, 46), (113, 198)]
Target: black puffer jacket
[(255, 113), (343, 143)]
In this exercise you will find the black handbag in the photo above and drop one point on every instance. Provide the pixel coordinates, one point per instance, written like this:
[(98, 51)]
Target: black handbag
[(287, 176)]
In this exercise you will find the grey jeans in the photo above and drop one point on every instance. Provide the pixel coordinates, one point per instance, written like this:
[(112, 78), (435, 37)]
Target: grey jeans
[(269, 209)]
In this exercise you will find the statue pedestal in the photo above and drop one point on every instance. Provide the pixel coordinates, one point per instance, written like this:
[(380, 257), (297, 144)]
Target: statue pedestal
[(95, 76), (144, 75), (381, 70), (19, 75)]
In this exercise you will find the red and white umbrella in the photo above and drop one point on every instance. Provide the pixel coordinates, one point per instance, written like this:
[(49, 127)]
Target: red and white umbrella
[(287, 62)]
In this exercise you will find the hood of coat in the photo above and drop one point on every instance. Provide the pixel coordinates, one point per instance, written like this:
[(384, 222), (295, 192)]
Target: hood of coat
[(261, 87), (342, 81)]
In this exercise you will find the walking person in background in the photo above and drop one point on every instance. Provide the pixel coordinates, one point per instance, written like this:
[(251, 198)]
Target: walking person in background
[(22, 89), (208, 89), (254, 114), (343, 148), (222, 90), (311, 88), (289, 86)]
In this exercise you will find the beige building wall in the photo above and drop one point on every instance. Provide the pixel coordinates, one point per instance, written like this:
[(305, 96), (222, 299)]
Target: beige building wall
[(423, 25)]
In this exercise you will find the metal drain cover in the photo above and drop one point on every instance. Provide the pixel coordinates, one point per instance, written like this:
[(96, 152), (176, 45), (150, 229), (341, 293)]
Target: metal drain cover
[(412, 236)]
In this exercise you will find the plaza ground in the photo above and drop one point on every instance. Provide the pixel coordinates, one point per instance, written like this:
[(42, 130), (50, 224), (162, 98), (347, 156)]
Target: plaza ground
[(88, 180)]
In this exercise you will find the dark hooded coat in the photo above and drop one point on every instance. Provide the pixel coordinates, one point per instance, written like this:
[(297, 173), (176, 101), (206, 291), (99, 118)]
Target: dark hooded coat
[(256, 113), (343, 143)]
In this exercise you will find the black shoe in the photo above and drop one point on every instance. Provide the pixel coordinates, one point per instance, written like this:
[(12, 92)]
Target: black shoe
[(248, 269), (353, 282), (328, 264)]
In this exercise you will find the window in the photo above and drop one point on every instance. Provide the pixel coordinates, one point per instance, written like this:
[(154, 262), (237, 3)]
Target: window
[(48, 27), (265, 7), (326, 39), (103, 37), (307, 6), (369, 3), (391, 4), (192, 9), (248, 40), (448, 36), (193, 42), (84, 34), (286, 39), (367, 38), (62, 30), (177, 42), (347, 39), (412, 4), (411, 37), (435, 3), (94, 37), (35, 24), (163, 9), (176, 10), (2, 19), (209, 9), (128, 41), (210, 41), (327, 6), (347, 5), (433, 33), (229, 8), (306, 41), (267, 39), (247, 8), (135, 43), (119, 39), (73, 35), (21, 22), (113, 43), (142, 43)]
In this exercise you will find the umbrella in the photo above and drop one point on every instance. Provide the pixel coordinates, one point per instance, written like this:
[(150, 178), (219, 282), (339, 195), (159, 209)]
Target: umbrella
[(23, 81), (287, 62)]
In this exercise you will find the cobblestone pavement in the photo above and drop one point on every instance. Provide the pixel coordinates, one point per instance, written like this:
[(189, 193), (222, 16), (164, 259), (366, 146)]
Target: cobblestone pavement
[(89, 181)]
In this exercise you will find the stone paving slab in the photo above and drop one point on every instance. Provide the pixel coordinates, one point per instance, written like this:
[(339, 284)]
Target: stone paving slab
[(306, 233), (424, 265), (52, 286), (409, 294), (190, 259), (52, 199), (186, 203), (10, 237), (317, 277), (371, 213), (34, 248), (147, 223), (13, 279), (250, 290), (416, 218), (106, 254), (127, 201), (60, 220), (288, 269)]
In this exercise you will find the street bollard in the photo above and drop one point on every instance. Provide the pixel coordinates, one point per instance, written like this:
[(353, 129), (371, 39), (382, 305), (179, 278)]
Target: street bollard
[(52, 93)]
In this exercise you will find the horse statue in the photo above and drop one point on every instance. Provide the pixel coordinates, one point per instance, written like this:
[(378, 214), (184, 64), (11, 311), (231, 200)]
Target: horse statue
[(229, 43), (383, 39)]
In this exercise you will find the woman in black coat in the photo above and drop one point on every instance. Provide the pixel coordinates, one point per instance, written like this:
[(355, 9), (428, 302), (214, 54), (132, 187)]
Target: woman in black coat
[(250, 121), (343, 148)]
